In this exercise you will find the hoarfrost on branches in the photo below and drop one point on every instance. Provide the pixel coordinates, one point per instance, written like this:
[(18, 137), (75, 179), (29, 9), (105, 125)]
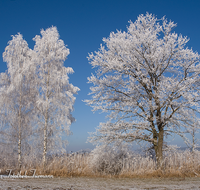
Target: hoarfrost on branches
[(55, 94), (17, 94), (148, 82), (36, 97)]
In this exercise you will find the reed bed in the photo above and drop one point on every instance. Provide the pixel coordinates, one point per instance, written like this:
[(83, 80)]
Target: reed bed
[(111, 164)]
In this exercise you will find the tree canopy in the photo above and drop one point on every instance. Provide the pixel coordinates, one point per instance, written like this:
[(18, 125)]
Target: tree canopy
[(35, 93), (148, 82)]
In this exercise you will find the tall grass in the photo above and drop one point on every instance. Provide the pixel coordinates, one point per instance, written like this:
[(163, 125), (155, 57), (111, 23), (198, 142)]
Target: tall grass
[(110, 163)]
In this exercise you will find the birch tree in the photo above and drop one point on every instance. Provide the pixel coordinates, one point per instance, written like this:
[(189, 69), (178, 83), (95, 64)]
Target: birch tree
[(17, 92), (147, 80), (55, 94)]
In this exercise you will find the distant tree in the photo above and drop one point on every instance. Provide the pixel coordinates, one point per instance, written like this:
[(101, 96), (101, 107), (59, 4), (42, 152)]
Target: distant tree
[(16, 92), (148, 82), (193, 129), (194, 139), (55, 94)]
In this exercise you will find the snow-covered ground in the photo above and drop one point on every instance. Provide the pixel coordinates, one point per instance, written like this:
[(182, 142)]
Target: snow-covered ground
[(81, 183)]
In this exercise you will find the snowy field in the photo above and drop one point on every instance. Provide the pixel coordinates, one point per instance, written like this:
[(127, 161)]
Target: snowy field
[(81, 183)]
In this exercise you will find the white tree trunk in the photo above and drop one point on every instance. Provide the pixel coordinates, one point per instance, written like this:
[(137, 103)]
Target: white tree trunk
[(19, 150), (45, 138), (46, 121), (20, 132)]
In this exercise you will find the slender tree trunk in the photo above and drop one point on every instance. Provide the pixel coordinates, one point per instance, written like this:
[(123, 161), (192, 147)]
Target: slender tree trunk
[(20, 132), (46, 121), (193, 140), (19, 151), (193, 144), (45, 139)]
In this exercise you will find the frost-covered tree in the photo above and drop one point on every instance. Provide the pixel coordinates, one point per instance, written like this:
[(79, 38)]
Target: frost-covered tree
[(192, 129), (148, 82), (55, 94), (17, 92)]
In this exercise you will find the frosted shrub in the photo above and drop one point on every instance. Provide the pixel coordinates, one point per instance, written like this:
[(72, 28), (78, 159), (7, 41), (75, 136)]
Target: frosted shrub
[(108, 159), (111, 160)]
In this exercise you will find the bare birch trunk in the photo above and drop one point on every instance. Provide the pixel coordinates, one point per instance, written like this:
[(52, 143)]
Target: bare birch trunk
[(46, 122), (45, 138), (19, 151), (20, 132)]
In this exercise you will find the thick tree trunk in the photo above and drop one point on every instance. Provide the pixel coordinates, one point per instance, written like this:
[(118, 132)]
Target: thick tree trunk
[(160, 134), (159, 152), (158, 138)]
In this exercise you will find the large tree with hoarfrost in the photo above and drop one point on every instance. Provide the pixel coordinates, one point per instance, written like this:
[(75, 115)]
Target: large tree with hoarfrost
[(55, 97), (148, 82), (17, 93)]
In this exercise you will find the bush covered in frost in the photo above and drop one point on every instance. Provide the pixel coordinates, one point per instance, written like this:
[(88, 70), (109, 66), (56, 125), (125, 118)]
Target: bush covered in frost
[(108, 159)]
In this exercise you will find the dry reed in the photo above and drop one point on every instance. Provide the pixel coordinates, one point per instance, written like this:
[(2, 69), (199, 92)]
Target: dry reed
[(175, 164)]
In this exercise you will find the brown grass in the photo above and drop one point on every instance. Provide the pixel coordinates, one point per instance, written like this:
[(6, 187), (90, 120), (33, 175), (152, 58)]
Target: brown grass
[(175, 164)]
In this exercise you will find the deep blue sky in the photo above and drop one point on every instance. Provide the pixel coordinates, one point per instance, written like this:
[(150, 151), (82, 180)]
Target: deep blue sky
[(82, 25)]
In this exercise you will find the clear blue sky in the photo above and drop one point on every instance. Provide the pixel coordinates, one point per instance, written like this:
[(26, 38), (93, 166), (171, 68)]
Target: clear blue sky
[(82, 24)]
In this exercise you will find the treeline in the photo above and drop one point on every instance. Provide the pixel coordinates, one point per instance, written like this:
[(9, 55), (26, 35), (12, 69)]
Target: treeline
[(36, 98)]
